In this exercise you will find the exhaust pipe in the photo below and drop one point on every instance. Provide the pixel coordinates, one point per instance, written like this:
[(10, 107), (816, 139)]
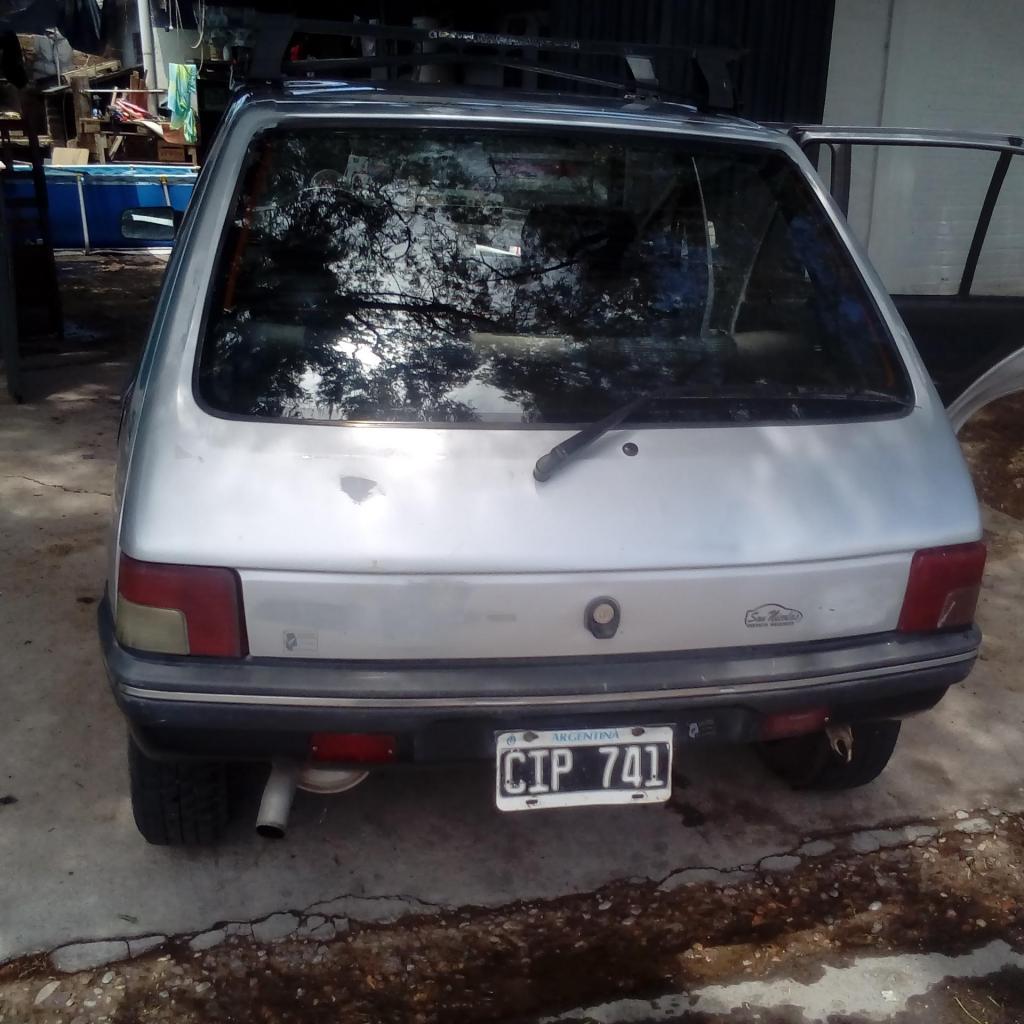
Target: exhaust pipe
[(272, 821)]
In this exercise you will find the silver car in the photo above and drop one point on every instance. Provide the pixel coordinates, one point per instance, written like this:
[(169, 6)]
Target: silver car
[(556, 435)]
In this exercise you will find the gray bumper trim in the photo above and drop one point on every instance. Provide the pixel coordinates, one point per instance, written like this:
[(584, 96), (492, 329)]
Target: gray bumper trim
[(540, 701)]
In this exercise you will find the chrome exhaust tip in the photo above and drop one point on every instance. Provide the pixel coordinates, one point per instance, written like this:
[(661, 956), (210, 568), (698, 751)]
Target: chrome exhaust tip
[(276, 805)]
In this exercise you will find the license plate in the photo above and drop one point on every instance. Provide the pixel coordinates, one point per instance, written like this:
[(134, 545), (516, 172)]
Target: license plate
[(573, 767)]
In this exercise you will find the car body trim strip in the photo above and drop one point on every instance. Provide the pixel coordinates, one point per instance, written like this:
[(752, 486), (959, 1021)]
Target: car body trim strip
[(556, 700)]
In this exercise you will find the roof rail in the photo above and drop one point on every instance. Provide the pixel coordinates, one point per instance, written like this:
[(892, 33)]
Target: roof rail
[(267, 60)]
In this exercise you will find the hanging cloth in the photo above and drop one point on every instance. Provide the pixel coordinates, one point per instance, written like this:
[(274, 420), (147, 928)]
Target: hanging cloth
[(182, 101)]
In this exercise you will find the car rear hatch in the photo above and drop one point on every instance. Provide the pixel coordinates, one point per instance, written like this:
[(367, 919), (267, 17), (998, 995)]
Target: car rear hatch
[(378, 543), (402, 322)]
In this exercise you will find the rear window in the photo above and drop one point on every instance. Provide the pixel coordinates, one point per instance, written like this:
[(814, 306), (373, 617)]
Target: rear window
[(473, 276)]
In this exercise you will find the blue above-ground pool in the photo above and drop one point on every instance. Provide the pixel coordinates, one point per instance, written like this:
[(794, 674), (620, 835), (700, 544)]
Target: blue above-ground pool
[(107, 190)]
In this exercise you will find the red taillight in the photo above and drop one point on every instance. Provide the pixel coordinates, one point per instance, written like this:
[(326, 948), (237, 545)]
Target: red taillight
[(793, 723), (209, 600), (353, 746), (943, 588)]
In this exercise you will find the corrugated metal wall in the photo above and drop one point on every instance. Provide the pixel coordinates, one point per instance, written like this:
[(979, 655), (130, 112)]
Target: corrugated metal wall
[(781, 78)]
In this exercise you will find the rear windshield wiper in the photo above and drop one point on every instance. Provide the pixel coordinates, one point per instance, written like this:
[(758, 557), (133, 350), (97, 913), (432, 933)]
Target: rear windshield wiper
[(549, 463)]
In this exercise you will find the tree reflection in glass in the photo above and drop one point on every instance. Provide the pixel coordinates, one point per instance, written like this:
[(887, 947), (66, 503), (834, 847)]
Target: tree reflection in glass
[(444, 276)]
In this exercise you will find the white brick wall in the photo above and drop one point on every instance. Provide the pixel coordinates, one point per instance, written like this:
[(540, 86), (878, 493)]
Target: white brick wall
[(939, 64)]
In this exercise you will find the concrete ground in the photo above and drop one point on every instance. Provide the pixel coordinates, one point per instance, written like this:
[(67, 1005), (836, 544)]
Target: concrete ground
[(73, 869)]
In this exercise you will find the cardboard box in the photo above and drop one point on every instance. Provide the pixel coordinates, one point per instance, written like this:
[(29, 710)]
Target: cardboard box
[(171, 154), (68, 156)]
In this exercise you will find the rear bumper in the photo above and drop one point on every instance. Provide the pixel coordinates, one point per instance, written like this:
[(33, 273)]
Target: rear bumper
[(259, 707)]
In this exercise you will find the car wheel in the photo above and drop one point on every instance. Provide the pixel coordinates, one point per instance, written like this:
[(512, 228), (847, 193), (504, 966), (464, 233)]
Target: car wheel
[(809, 762), (178, 803)]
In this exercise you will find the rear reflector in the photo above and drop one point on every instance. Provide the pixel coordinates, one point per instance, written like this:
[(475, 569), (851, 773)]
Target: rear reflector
[(793, 723), (362, 747), (943, 588), (180, 609)]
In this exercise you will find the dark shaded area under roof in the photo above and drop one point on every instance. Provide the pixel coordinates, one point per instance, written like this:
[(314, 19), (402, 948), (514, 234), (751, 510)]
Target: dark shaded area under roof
[(782, 76), (79, 21)]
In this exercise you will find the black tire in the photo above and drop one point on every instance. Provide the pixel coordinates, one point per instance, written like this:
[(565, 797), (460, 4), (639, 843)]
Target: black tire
[(809, 762), (178, 803)]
